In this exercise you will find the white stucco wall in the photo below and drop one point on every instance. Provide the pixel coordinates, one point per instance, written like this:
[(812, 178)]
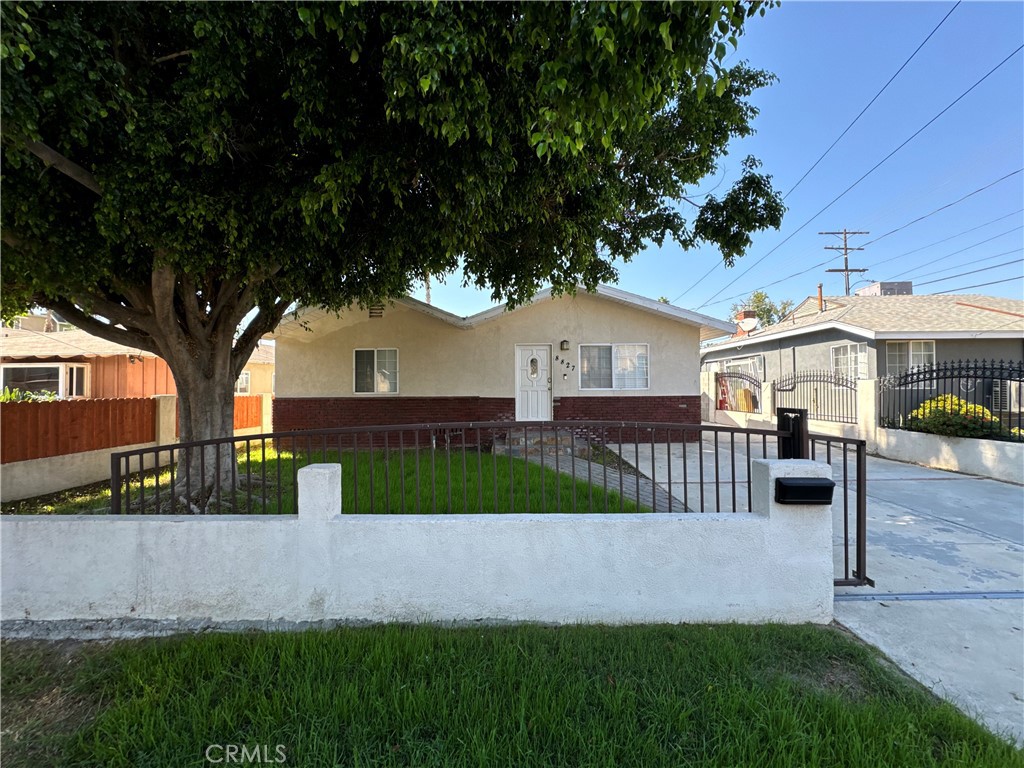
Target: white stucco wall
[(997, 459), (438, 359), (773, 565)]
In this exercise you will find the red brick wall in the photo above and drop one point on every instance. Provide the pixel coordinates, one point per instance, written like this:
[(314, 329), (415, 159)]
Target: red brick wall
[(327, 412), (681, 409)]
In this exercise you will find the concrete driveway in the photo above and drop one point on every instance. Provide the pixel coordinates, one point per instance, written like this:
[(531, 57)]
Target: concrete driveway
[(947, 555), (946, 552)]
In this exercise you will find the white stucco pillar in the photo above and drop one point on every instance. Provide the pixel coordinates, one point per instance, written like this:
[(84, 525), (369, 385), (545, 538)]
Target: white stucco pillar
[(166, 412), (867, 411), (804, 532), (319, 492)]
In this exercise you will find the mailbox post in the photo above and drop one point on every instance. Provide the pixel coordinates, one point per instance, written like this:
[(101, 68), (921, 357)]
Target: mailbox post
[(798, 444)]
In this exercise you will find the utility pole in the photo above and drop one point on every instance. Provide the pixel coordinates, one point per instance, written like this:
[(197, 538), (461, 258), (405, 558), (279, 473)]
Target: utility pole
[(846, 255)]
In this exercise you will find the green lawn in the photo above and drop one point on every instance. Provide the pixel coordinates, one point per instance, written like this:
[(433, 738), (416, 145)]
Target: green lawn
[(393, 482), (399, 695)]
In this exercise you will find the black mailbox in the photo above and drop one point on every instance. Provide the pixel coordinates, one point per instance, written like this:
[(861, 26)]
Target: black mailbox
[(804, 490)]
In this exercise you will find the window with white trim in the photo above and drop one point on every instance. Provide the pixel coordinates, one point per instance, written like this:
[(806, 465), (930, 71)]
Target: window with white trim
[(614, 366), (242, 383), (850, 360), (752, 366), (65, 380), (375, 371), (903, 355)]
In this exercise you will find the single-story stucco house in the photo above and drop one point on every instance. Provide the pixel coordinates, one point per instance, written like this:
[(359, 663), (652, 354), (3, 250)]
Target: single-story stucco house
[(76, 364), (602, 355), (881, 331)]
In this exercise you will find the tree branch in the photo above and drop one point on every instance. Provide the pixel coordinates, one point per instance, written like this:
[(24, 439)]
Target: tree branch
[(55, 159), (264, 322), (88, 323), (172, 56), (188, 296)]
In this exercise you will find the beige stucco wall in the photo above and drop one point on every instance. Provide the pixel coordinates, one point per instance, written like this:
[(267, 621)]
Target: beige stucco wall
[(438, 359), (261, 378)]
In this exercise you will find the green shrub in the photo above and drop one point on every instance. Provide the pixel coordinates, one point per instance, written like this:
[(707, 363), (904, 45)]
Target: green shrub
[(950, 416), (23, 396)]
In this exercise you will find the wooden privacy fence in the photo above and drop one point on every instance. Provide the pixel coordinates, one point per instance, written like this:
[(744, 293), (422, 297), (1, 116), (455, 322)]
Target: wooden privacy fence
[(248, 413), (61, 427)]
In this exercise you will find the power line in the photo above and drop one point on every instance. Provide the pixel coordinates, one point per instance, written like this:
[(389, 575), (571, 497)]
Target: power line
[(954, 253), (973, 271), (978, 261), (873, 169), (891, 258), (946, 239), (948, 205), (873, 99), (979, 285), (714, 266)]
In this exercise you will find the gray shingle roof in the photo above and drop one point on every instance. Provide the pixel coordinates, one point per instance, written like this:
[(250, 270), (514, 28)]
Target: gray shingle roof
[(968, 314)]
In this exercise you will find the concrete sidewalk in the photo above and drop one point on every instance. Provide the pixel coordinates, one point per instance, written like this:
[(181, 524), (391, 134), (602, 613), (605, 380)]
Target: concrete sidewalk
[(946, 552)]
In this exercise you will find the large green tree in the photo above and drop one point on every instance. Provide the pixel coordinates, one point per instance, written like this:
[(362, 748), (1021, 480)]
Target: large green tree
[(177, 175), (766, 310)]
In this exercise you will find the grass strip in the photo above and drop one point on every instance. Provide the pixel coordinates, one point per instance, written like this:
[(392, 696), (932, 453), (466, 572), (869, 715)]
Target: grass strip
[(528, 695), (377, 482)]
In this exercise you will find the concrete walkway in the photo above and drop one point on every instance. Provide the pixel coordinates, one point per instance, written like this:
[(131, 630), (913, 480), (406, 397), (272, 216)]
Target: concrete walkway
[(946, 552)]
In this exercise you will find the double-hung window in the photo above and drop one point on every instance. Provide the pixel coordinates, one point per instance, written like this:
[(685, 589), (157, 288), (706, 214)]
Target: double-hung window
[(376, 371), (850, 360), (242, 383), (614, 366), (903, 355)]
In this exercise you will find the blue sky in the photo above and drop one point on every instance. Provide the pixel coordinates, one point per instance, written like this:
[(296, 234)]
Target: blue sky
[(831, 59)]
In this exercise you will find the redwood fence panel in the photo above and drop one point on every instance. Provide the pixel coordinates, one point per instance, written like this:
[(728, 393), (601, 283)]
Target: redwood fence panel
[(61, 427), (248, 411)]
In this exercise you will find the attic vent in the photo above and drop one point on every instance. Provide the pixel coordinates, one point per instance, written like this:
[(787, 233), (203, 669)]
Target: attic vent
[(376, 311)]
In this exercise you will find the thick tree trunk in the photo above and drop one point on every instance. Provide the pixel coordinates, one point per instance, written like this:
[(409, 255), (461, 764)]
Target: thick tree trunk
[(205, 475)]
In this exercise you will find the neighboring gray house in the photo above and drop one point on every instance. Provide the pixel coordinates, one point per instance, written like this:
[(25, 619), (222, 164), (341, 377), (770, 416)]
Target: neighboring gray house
[(867, 336)]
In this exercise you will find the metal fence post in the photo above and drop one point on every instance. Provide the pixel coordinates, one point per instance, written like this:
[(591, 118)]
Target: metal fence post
[(115, 484), (798, 444)]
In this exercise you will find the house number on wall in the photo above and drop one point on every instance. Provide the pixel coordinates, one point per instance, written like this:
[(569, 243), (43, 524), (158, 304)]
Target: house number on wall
[(565, 363)]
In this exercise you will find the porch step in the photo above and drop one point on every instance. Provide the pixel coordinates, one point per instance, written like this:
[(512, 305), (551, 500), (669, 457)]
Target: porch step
[(534, 444)]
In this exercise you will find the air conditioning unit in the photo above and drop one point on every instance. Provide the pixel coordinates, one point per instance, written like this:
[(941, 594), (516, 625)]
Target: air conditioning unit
[(1005, 395)]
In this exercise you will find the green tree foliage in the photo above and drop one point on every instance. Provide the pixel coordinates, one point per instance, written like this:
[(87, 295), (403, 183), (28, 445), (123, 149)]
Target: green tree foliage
[(767, 311), (170, 170)]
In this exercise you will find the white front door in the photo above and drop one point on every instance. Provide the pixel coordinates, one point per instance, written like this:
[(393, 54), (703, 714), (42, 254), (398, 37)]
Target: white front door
[(533, 382)]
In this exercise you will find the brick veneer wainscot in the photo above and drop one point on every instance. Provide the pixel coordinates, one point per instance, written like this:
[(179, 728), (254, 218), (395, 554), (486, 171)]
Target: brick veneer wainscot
[(335, 412)]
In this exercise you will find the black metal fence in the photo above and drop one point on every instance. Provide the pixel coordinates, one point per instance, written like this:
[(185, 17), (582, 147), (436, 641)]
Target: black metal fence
[(826, 395), (493, 467), (738, 392), (961, 398), (470, 467)]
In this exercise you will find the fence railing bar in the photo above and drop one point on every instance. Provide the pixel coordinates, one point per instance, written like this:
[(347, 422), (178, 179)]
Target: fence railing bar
[(480, 472), (732, 460), (718, 491), (387, 475), (846, 512)]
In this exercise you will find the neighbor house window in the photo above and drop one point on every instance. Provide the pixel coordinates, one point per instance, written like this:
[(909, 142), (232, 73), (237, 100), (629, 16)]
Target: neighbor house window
[(62, 379), (614, 366), (752, 366), (376, 370), (903, 355), (242, 383), (850, 360)]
